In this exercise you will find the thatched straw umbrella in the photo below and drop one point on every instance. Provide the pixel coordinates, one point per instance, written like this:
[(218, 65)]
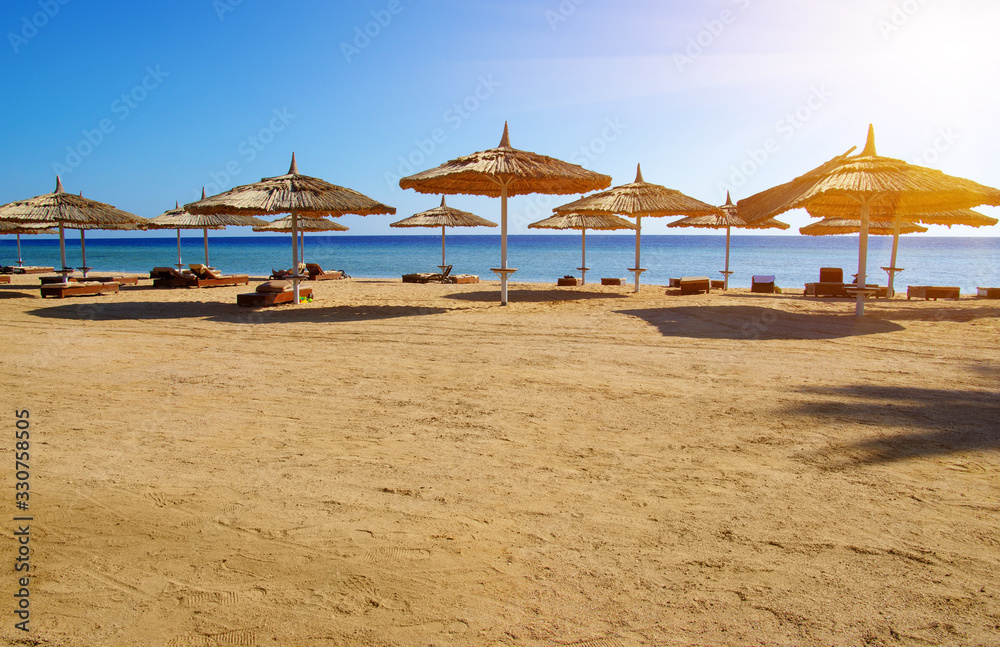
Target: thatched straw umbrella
[(83, 238), (583, 223), (876, 186), (837, 226), (299, 195), (728, 219), (635, 200), (23, 228), (503, 172), (66, 210), (178, 219), (284, 226), (444, 216)]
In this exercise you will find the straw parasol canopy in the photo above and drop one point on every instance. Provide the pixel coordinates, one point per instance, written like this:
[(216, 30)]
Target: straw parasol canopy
[(728, 219), (284, 226), (583, 222), (868, 185), (83, 238), (178, 218), (23, 228), (66, 210), (638, 199), (295, 194), (835, 226), (444, 216), (503, 172)]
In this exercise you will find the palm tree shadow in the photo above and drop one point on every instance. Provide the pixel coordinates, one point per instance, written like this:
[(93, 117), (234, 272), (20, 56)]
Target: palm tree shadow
[(931, 422), (756, 322)]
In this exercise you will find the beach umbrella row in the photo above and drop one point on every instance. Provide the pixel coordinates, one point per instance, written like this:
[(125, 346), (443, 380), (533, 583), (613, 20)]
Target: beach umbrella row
[(23, 228), (583, 222), (284, 226)]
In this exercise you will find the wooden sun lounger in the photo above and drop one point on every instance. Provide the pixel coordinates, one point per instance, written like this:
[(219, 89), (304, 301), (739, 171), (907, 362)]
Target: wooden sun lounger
[(932, 292), (262, 299), (4, 278), (428, 277), (120, 280), (77, 289), (28, 269), (316, 273), (762, 283), (988, 293), (695, 284)]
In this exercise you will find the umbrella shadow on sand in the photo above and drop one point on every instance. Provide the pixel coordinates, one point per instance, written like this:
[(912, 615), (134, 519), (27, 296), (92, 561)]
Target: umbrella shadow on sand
[(228, 312), (931, 422), (755, 322), (535, 296)]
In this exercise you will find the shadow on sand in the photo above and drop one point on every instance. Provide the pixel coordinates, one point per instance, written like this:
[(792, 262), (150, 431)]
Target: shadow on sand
[(756, 322), (226, 312), (534, 296), (933, 422)]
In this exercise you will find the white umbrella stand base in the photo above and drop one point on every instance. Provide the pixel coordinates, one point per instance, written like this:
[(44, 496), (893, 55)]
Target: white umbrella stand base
[(637, 271), (504, 274)]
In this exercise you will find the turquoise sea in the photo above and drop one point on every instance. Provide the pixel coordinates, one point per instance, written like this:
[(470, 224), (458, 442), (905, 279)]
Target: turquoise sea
[(794, 260)]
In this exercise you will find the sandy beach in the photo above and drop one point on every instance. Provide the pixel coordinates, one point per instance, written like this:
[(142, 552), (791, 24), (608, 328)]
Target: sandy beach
[(411, 465)]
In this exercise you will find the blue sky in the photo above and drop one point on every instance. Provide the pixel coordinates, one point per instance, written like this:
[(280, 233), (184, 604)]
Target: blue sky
[(141, 104)]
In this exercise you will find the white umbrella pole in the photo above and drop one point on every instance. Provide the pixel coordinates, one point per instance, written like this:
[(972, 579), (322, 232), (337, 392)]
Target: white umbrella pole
[(859, 308), (62, 252), (583, 260), (295, 258), (892, 259), (443, 265), (638, 233), (83, 252), (503, 244), (725, 286), (19, 261), (302, 247), (179, 264), (205, 234)]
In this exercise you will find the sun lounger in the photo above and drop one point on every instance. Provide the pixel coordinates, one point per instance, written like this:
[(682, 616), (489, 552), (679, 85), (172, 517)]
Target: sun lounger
[(280, 275), (463, 278), (762, 283), (271, 293), (831, 284), (77, 289), (932, 292), (316, 273), (568, 280), (120, 280), (27, 269), (718, 284), (4, 278), (611, 281), (694, 284), (988, 293), (428, 277)]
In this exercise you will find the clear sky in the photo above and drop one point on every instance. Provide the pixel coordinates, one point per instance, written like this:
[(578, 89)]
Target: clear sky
[(140, 104)]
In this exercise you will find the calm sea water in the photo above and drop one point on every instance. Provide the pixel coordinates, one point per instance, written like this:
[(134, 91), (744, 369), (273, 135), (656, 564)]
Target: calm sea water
[(794, 260)]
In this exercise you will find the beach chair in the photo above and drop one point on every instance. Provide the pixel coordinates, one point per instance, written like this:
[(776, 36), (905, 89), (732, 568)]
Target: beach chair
[(316, 273), (830, 284), (29, 269), (279, 275), (762, 283), (568, 280), (77, 289), (206, 277), (932, 292), (988, 293), (169, 277), (428, 277), (271, 293), (4, 278), (694, 284)]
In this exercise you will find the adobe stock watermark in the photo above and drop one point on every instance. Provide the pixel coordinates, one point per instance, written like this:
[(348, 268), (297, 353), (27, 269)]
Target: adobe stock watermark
[(247, 150), (707, 37), (454, 116), (899, 17), (539, 205), (32, 26), (788, 125), (122, 108), (365, 34), (944, 139), (222, 7), (562, 12)]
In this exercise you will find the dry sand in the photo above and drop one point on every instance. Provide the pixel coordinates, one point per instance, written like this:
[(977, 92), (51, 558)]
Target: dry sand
[(416, 465)]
